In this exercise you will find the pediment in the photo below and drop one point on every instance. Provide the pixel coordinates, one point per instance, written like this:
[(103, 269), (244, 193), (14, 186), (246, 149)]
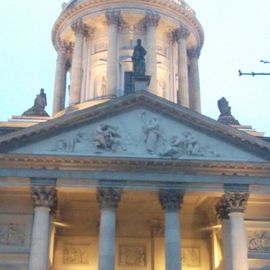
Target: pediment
[(134, 128)]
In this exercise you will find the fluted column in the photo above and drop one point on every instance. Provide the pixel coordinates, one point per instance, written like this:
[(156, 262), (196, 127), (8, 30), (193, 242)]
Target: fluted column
[(113, 21), (44, 200), (151, 23), (181, 35), (194, 80), (236, 204), (60, 77), (108, 199), (81, 30), (223, 215), (171, 201)]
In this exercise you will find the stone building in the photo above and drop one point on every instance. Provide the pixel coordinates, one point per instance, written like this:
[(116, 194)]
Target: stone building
[(139, 181)]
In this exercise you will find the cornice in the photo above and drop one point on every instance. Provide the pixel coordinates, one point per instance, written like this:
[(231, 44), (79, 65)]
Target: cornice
[(115, 164), (183, 11)]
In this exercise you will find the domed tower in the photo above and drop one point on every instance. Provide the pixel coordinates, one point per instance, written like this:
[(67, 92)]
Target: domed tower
[(95, 41)]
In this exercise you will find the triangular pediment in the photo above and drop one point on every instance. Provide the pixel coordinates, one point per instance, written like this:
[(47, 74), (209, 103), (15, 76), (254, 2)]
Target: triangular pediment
[(137, 126)]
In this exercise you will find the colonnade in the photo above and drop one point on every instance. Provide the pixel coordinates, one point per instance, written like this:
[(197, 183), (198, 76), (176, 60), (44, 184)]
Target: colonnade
[(230, 209), (68, 53)]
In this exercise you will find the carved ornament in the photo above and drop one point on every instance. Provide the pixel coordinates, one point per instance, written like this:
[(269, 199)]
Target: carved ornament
[(108, 197), (194, 52), (113, 17), (236, 201), (132, 256), (171, 200), (44, 196), (12, 235), (81, 28), (222, 209), (191, 256), (259, 241), (181, 33), (151, 19), (76, 254)]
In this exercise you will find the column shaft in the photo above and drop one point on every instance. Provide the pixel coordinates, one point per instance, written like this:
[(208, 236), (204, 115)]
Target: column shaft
[(238, 242), (113, 20), (39, 253), (172, 241), (183, 95), (108, 199), (151, 21), (171, 201), (60, 83), (44, 199), (81, 30), (227, 252), (107, 240), (194, 82)]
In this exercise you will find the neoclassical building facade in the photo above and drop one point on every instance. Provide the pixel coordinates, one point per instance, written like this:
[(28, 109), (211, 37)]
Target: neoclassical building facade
[(138, 181)]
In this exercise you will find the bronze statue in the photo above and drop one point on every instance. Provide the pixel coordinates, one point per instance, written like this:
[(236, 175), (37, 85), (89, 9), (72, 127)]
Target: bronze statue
[(38, 109), (138, 59)]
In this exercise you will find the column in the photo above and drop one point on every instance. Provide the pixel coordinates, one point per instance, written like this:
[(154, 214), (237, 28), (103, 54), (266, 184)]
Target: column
[(108, 199), (60, 77), (151, 23), (113, 21), (236, 205), (44, 200), (194, 80), (181, 35), (80, 30), (223, 215), (171, 201)]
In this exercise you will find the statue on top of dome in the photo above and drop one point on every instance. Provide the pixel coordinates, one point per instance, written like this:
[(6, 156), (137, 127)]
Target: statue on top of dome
[(138, 59), (226, 116)]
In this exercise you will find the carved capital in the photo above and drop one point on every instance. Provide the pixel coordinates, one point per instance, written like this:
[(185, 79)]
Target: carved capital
[(181, 33), (113, 17), (65, 47), (171, 199), (151, 19), (44, 196), (108, 197), (79, 27), (222, 209), (236, 201), (194, 52)]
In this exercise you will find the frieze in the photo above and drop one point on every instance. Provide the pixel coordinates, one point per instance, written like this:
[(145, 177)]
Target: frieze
[(76, 254), (259, 241), (12, 235), (132, 256), (191, 257)]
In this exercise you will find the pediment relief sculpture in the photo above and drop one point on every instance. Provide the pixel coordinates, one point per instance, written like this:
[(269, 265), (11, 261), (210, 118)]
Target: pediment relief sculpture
[(148, 135)]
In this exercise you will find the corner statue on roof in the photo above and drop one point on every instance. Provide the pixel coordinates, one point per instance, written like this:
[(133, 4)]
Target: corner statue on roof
[(38, 109), (226, 116), (138, 59)]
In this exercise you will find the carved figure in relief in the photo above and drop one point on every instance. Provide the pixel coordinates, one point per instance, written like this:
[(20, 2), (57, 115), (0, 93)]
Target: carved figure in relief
[(259, 241), (69, 145), (133, 256), (108, 138), (12, 235), (152, 133), (75, 255)]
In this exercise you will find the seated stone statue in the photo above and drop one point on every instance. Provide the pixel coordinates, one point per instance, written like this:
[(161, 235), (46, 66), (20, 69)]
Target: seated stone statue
[(225, 113), (138, 59), (38, 109)]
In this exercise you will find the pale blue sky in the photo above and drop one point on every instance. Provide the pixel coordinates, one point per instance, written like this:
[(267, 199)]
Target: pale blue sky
[(237, 35)]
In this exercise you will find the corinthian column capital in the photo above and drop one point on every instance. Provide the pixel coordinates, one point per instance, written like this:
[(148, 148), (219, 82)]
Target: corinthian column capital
[(171, 199), (113, 17), (44, 196), (108, 197), (194, 52), (181, 33), (236, 201), (79, 27), (222, 209), (151, 19), (65, 47)]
